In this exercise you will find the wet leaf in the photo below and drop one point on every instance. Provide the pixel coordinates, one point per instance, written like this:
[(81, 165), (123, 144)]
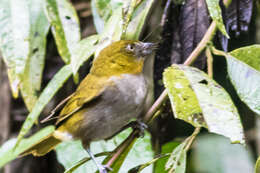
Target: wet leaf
[(31, 80), (215, 13), (244, 72), (65, 26), (7, 151), (177, 161), (202, 102), (14, 39), (49, 91), (82, 51), (194, 22)]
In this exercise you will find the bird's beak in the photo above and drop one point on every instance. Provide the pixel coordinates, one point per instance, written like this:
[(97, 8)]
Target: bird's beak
[(145, 49), (148, 48)]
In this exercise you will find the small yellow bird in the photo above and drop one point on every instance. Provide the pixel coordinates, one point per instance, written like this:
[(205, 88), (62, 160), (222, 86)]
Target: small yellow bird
[(112, 94)]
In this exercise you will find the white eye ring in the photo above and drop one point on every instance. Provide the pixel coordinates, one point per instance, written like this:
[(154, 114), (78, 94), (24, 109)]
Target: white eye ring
[(130, 47)]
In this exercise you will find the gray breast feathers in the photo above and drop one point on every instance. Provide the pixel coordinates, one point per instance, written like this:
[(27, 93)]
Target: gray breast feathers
[(118, 105)]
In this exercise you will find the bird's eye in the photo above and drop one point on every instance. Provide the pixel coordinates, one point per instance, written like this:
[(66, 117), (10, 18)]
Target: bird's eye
[(130, 47)]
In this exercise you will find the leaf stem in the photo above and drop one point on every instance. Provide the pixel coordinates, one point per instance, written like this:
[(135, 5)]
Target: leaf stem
[(217, 52), (209, 62), (191, 138)]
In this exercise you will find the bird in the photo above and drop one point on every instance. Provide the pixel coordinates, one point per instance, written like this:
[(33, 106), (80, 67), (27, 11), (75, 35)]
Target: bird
[(111, 95)]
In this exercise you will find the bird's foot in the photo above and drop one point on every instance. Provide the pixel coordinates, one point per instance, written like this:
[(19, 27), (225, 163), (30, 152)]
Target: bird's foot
[(139, 126), (104, 168)]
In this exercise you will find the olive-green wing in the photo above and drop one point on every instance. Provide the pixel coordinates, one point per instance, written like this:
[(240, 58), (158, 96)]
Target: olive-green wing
[(89, 89)]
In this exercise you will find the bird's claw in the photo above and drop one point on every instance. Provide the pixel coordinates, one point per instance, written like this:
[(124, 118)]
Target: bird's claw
[(104, 169), (140, 126)]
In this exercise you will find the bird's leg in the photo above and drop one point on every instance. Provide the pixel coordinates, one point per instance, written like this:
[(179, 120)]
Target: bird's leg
[(101, 168), (138, 124)]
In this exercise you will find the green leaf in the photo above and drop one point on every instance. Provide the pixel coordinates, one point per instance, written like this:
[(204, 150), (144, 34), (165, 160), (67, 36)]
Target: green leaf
[(244, 73), (166, 148), (137, 22), (215, 13), (183, 99), (7, 152), (141, 153), (31, 79), (53, 86), (14, 39), (199, 100), (102, 10), (65, 26), (112, 31), (257, 165), (177, 161), (82, 51), (214, 154)]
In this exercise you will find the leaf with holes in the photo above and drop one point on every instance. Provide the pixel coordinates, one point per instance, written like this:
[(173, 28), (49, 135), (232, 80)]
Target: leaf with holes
[(202, 102), (177, 161), (39, 27)]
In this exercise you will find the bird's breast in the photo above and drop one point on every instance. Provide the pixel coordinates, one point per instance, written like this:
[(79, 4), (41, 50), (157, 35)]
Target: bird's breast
[(118, 104)]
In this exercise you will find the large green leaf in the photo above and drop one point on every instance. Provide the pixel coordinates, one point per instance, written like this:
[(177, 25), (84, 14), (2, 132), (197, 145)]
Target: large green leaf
[(23, 48), (215, 13), (199, 100), (141, 153), (53, 86), (14, 39), (244, 73), (82, 51), (7, 151), (214, 154), (65, 26), (31, 79)]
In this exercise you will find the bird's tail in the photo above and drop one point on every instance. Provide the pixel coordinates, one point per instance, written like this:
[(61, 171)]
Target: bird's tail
[(43, 147)]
